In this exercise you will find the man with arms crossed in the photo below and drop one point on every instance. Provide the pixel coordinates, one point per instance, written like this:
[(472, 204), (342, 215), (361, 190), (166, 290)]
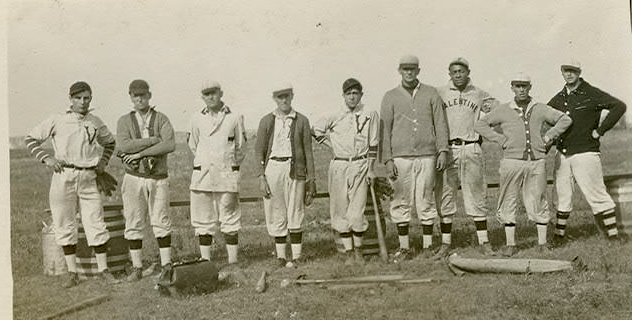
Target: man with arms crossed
[(522, 168), (145, 138), (464, 104), (414, 147), (76, 136), (578, 158), (352, 133)]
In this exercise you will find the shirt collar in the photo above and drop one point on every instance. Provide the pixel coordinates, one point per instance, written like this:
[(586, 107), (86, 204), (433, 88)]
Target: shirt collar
[(401, 84), (515, 106), (581, 89), (278, 114), (224, 109), (357, 109)]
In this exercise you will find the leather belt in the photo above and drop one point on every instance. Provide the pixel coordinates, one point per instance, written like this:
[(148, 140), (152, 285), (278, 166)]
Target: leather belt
[(72, 166), (460, 142), (351, 158), (280, 159), (199, 168)]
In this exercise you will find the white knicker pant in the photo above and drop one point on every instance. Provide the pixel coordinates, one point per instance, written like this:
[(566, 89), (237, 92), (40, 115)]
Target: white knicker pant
[(526, 178), (285, 208), (585, 169), (413, 189), (143, 197), (67, 189), (348, 189)]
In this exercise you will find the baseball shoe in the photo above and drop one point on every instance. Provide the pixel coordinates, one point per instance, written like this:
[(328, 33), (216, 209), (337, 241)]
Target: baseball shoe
[(401, 255), (443, 252), (486, 249), (72, 279), (280, 263), (349, 258), (508, 251), (106, 276), (164, 279), (559, 241), (544, 248), (359, 257), (135, 275)]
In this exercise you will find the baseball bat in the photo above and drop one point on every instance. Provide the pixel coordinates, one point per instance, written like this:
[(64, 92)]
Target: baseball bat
[(78, 306), (356, 280), (378, 225), (261, 284)]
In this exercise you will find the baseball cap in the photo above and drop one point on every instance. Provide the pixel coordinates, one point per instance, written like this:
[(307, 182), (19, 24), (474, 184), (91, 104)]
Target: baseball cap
[(572, 64), (210, 87), (409, 61), (282, 88), (461, 61), (138, 87), (79, 86), (350, 84), (521, 78)]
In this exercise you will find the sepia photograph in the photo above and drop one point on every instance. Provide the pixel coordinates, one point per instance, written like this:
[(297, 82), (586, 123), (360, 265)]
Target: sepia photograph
[(317, 159)]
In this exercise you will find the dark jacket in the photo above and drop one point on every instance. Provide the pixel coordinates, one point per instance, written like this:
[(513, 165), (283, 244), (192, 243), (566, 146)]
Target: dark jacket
[(302, 165), (584, 106)]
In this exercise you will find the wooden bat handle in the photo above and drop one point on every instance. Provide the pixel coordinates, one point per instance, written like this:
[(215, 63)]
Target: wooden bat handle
[(378, 224)]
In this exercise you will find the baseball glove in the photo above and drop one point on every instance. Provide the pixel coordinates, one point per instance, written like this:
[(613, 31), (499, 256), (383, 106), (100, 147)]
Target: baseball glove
[(383, 189), (106, 184), (310, 192)]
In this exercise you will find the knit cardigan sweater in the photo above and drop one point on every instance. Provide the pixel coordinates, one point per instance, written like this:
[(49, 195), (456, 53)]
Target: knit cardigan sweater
[(522, 136), (302, 163)]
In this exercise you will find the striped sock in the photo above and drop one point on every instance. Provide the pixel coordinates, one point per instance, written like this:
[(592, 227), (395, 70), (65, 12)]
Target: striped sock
[(446, 233), (610, 222), (426, 236), (481, 230), (402, 232), (560, 226)]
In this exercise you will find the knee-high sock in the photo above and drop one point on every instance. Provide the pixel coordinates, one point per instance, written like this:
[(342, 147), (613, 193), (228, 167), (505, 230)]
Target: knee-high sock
[(481, 230), (541, 233), (560, 225), (510, 233)]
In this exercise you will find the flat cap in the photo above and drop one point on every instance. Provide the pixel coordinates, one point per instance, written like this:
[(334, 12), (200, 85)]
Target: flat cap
[(79, 86), (282, 88), (573, 65), (210, 86), (350, 84), (409, 60), (138, 86), (521, 77), (461, 61)]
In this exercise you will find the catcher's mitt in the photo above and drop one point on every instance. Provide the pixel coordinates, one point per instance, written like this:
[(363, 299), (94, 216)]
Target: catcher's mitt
[(106, 184), (383, 189), (310, 192)]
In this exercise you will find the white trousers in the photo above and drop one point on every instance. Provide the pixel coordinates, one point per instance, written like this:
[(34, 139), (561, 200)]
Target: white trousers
[(211, 211), (286, 207), (145, 198), (414, 189), (348, 189), (68, 189)]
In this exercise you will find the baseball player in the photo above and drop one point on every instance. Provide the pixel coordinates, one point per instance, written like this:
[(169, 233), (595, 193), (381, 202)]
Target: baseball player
[(464, 104), (352, 134), (283, 152), (145, 137), (76, 136), (414, 146), (578, 158), (217, 138), (522, 168)]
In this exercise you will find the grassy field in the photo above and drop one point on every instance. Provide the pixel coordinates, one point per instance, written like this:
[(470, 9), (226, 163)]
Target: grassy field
[(602, 291)]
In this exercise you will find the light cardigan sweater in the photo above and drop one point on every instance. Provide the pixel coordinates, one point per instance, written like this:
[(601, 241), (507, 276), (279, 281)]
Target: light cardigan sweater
[(522, 136)]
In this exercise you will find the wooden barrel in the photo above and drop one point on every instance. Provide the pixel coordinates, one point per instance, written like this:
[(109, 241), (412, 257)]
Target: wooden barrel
[(620, 189), (53, 255), (370, 243), (118, 253)]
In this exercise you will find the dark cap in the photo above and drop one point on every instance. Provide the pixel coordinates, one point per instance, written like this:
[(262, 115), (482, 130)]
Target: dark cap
[(79, 86), (138, 87), (351, 83)]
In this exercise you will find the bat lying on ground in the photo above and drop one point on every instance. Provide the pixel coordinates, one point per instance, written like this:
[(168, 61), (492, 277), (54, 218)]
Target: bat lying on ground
[(460, 265), (78, 306), (261, 284), (394, 278)]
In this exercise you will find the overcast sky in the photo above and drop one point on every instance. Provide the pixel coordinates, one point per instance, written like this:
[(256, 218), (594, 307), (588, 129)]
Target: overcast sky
[(249, 47)]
